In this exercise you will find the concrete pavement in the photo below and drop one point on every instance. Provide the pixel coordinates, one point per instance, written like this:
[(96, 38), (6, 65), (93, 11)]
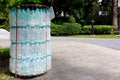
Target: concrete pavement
[(83, 61), (4, 42), (110, 43), (75, 60), (4, 38)]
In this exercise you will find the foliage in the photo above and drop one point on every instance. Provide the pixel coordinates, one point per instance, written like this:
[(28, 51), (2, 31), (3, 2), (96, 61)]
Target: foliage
[(82, 22), (4, 10), (71, 28), (5, 26), (103, 20), (107, 36), (107, 6), (4, 50), (91, 9), (98, 29), (69, 6), (65, 29), (4, 64), (71, 19), (56, 29), (28, 1), (76, 8), (80, 9), (77, 14), (19, 2)]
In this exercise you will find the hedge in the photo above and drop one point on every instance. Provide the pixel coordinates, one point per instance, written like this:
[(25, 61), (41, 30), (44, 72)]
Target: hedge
[(71, 19), (66, 29), (98, 29), (55, 29), (72, 28)]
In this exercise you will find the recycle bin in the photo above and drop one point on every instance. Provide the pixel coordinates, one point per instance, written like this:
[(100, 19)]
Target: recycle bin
[(30, 49)]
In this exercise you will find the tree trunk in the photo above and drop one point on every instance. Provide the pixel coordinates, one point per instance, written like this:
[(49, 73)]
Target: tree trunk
[(115, 13)]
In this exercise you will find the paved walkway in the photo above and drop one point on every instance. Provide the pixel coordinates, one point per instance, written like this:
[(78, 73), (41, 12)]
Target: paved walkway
[(4, 42), (75, 60), (110, 43), (78, 60)]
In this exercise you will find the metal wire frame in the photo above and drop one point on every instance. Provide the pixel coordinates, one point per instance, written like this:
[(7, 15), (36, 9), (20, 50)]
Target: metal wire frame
[(16, 62)]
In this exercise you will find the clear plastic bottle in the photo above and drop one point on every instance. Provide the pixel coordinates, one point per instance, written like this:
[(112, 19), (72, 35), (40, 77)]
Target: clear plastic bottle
[(28, 34), (19, 50), (19, 35), (41, 34), (23, 17), (37, 17), (32, 35), (19, 14), (12, 34), (27, 16), (12, 50), (40, 17), (13, 17)]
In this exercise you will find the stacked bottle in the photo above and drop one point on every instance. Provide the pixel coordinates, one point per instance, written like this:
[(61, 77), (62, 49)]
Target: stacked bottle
[(30, 35)]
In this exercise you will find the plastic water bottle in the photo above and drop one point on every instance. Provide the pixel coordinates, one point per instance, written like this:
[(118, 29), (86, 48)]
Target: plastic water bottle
[(48, 32), (23, 17), (24, 46), (28, 34), (12, 17), (33, 18), (32, 35), (12, 50), (37, 17), (32, 50), (41, 34), (19, 35), (44, 33), (27, 47), (19, 18), (13, 35), (40, 17)]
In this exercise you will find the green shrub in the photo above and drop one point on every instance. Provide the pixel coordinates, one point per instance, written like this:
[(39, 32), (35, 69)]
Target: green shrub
[(98, 29), (116, 32), (82, 22), (87, 29), (4, 50), (65, 29), (4, 53), (55, 29), (72, 28), (71, 19)]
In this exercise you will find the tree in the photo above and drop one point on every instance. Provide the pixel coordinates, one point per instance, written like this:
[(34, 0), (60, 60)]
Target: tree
[(107, 7), (115, 14), (91, 10), (4, 11), (94, 9), (110, 8)]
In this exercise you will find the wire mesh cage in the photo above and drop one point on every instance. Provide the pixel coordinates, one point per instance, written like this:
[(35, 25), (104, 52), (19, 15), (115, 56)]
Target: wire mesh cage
[(30, 50)]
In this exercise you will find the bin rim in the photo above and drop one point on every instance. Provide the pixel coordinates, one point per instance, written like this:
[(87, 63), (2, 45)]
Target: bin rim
[(31, 5), (34, 5)]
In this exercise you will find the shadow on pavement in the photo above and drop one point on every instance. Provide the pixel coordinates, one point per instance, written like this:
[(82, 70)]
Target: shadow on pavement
[(63, 71)]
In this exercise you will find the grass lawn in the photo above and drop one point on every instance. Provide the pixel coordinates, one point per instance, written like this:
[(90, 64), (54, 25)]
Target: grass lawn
[(97, 36), (4, 64)]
